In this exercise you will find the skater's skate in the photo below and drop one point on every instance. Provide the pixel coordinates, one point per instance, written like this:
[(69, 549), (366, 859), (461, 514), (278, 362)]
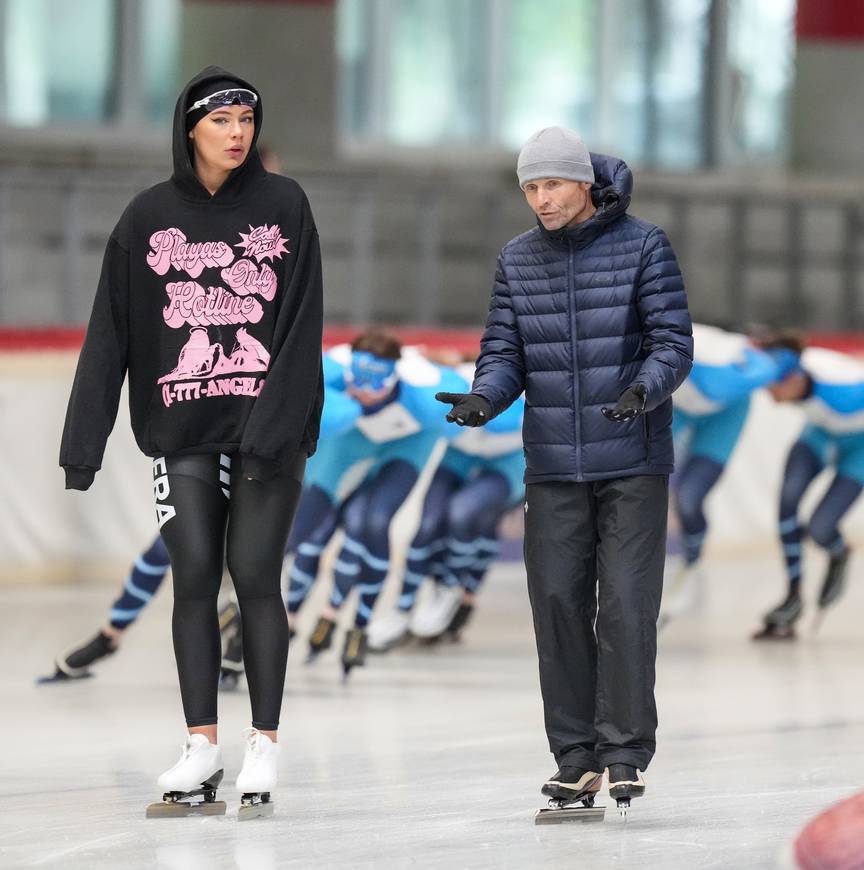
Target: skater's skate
[(780, 622), (389, 631), (74, 663), (625, 782), (258, 775), (354, 651), (432, 618), (190, 785), (321, 638), (232, 657), (568, 787), (460, 619), (681, 593), (835, 579)]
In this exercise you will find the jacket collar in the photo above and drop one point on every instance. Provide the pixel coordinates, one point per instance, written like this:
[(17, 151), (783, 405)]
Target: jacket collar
[(611, 192)]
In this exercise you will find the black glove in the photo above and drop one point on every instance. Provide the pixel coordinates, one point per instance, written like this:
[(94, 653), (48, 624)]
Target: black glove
[(631, 403), (469, 409)]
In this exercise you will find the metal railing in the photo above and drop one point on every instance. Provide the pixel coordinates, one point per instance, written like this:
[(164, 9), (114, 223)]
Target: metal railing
[(418, 249)]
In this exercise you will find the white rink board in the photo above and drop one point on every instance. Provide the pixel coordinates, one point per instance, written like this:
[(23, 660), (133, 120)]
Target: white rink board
[(47, 533)]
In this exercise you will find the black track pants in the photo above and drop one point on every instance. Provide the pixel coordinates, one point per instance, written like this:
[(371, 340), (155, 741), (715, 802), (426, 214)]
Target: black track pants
[(596, 551), (208, 511)]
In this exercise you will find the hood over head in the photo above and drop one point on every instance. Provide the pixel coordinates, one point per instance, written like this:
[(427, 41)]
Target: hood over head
[(611, 192), (184, 174)]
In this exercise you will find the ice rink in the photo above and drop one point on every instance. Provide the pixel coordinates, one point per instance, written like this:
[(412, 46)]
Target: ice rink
[(432, 757)]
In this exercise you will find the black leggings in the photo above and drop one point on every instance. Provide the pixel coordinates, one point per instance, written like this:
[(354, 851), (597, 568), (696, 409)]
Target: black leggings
[(197, 499)]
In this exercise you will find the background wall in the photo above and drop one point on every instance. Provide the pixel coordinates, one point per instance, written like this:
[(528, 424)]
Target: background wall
[(741, 120), (286, 49), (47, 535)]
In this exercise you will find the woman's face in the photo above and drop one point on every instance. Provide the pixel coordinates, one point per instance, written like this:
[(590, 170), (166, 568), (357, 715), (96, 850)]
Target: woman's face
[(222, 139)]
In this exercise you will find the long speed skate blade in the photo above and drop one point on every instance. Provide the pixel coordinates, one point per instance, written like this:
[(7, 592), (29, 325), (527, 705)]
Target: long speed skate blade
[(61, 677), (816, 624), (773, 634), (255, 809), (558, 815), (178, 810)]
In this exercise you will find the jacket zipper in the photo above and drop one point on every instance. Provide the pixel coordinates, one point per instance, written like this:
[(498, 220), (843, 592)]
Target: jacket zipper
[(577, 415)]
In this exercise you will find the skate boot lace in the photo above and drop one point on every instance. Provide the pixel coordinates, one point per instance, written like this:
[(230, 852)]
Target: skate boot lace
[(253, 744)]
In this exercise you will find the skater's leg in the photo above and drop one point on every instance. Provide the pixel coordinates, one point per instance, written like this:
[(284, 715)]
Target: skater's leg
[(631, 526), (260, 517), (802, 465), (486, 545), (430, 540), (806, 459), (387, 493), (147, 573), (712, 441), (693, 483), (315, 504), (145, 578), (308, 552), (472, 517), (560, 543), (824, 527), (472, 511), (389, 629), (825, 530), (193, 509), (347, 565)]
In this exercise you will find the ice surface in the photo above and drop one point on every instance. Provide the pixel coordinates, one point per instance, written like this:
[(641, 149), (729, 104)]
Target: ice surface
[(431, 757)]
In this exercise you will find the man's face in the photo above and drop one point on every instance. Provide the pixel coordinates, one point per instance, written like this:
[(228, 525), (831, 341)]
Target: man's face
[(370, 379), (558, 202), (792, 388)]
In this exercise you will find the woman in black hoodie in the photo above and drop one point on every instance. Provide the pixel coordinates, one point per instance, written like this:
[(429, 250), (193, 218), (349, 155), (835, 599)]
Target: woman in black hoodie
[(210, 298)]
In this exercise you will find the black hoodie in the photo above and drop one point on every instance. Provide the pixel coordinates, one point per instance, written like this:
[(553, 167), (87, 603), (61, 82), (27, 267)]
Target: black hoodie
[(213, 304)]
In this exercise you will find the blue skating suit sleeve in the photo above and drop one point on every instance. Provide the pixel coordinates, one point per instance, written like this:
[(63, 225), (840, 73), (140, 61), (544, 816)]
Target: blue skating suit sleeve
[(500, 436), (836, 403), (726, 369), (333, 366), (406, 429), (339, 414), (419, 381)]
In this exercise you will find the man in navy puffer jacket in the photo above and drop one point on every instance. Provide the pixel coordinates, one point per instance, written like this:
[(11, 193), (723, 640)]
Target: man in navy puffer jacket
[(589, 317)]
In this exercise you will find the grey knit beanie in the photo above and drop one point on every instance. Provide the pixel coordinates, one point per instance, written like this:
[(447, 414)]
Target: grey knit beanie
[(554, 152)]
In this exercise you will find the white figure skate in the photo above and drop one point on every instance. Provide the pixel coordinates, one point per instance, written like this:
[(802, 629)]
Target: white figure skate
[(683, 591), (258, 775), (432, 618), (389, 630), (190, 785)]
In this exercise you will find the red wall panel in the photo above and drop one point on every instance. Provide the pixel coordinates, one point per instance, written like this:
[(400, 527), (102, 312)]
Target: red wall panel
[(830, 21)]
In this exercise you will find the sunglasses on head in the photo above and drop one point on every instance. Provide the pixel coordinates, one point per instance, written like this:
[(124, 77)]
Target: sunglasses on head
[(230, 97)]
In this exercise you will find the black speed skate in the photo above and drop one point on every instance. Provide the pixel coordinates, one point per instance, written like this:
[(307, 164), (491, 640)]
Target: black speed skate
[(454, 628), (460, 619), (835, 579), (568, 787), (780, 622), (354, 651), (625, 782), (321, 638), (74, 663)]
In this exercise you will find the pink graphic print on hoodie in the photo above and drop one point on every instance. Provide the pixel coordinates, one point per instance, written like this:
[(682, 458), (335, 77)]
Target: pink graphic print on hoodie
[(200, 306)]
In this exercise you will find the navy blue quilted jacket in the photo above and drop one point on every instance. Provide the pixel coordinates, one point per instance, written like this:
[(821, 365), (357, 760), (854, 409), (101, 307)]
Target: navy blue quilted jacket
[(577, 316)]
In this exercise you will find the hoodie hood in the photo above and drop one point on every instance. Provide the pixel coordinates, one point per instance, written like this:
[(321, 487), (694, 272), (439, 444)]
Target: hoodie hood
[(611, 192), (241, 178)]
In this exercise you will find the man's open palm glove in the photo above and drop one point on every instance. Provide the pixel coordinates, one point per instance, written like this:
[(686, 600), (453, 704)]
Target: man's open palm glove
[(469, 409), (631, 403)]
